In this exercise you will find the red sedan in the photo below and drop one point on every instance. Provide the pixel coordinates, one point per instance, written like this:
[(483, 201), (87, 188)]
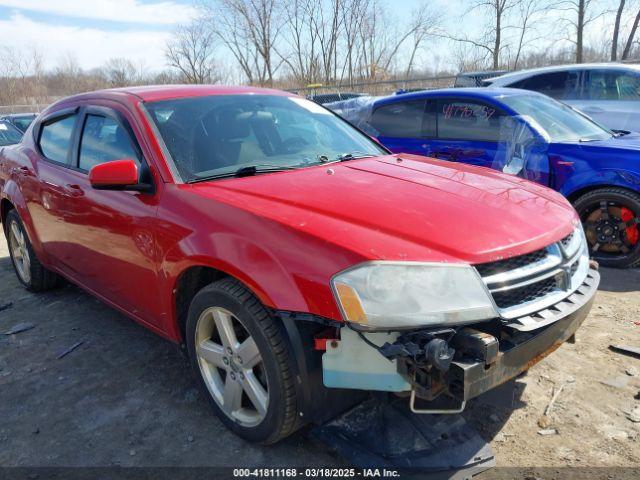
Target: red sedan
[(296, 260)]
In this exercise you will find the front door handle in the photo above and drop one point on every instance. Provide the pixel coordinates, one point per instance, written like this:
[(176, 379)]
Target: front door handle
[(74, 190)]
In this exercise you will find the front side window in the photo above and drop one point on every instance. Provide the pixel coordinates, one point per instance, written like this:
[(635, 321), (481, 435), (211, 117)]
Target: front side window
[(55, 138), (221, 134), (462, 119), (560, 122), (400, 119), (104, 140), (613, 85), (9, 135)]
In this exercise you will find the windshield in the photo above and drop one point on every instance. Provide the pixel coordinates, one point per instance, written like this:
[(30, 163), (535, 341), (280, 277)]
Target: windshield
[(22, 123), (561, 123), (9, 135), (221, 134)]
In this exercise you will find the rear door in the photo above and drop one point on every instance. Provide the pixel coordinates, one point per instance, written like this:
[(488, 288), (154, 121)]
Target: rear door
[(109, 234), (53, 198)]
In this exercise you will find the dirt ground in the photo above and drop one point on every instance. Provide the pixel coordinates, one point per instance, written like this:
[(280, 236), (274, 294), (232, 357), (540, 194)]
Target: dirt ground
[(126, 397)]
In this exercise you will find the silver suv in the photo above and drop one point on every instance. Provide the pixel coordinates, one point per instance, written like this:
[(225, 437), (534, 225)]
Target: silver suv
[(607, 92)]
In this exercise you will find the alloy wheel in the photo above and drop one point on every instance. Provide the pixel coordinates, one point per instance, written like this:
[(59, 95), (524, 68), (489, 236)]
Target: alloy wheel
[(20, 252), (611, 228), (232, 366)]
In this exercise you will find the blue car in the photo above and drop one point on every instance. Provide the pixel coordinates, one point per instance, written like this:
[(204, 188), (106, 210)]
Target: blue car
[(526, 134)]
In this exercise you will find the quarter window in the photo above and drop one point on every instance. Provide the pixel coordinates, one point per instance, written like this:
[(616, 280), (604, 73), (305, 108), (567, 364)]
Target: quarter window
[(104, 140), (55, 138), (401, 119), (468, 120)]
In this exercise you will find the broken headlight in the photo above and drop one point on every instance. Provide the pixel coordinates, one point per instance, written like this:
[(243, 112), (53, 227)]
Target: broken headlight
[(391, 295)]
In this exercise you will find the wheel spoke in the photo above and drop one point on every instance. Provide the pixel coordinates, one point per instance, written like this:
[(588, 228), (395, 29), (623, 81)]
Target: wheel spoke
[(596, 247), (232, 397), (256, 392), (16, 233), (629, 223), (26, 263), (224, 325), (604, 208), (248, 353), (212, 353)]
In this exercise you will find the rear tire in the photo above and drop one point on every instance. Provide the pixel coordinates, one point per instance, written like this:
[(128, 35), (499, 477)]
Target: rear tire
[(601, 212), (30, 272), (254, 395)]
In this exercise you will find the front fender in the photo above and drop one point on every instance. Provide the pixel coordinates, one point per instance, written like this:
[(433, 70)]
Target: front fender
[(606, 177), (254, 265)]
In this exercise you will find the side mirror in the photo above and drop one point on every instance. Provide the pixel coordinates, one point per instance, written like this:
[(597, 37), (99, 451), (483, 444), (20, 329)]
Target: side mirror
[(117, 175)]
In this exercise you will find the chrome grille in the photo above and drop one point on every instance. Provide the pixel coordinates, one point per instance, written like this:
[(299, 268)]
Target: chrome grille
[(527, 283)]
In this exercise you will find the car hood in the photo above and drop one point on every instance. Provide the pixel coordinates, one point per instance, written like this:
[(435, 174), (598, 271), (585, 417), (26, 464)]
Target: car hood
[(405, 207)]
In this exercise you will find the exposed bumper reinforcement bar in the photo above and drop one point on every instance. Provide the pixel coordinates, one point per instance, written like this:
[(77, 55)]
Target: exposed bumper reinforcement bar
[(557, 324)]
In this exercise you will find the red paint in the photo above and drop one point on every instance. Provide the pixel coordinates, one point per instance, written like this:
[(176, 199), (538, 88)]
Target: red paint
[(119, 172), (284, 235)]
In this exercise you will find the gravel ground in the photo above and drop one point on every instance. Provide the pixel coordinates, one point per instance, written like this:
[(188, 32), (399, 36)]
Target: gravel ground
[(127, 397)]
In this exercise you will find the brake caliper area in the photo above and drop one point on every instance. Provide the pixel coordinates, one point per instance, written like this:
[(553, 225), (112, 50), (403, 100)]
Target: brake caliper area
[(632, 232)]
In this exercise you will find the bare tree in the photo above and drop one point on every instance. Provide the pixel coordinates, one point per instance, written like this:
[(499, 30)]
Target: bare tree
[(631, 37), (191, 52), (120, 72), (616, 31), (528, 13), (581, 13), (249, 29), (491, 42)]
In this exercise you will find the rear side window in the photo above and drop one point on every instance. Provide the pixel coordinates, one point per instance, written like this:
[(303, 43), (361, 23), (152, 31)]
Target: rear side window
[(468, 120), (558, 85), (55, 138), (613, 85), (104, 140), (401, 119)]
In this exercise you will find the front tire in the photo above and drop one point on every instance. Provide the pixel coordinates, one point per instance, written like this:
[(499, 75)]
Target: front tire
[(241, 357), (611, 220), (30, 272)]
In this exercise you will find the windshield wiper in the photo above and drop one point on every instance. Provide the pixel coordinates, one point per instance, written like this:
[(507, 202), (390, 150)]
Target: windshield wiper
[(352, 156), (246, 171), (620, 133)]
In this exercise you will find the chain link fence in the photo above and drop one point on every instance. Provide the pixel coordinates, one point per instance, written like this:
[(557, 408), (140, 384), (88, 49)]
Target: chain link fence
[(329, 93), (33, 108)]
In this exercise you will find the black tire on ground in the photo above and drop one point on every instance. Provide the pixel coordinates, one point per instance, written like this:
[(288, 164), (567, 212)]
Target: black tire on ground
[(40, 279), (281, 418), (622, 197)]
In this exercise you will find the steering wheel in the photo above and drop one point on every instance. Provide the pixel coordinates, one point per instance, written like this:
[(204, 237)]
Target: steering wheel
[(294, 144)]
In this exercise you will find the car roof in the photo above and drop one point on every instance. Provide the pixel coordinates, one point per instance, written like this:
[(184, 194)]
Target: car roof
[(152, 93), (474, 92), (521, 74)]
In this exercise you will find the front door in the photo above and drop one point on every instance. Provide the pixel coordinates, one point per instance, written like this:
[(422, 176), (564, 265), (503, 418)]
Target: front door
[(110, 233)]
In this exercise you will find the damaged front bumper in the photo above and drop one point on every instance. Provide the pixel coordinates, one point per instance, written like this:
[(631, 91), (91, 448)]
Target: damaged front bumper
[(467, 362), (469, 377)]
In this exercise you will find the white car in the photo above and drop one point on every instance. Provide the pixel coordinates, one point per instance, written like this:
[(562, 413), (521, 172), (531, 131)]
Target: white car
[(607, 92)]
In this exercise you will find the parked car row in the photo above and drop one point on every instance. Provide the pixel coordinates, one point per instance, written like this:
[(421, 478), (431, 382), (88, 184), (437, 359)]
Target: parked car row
[(298, 261), (526, 134), (609, 93)]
